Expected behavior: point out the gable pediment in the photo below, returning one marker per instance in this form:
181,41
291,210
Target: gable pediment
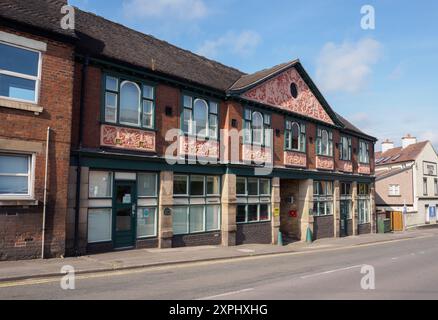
276,92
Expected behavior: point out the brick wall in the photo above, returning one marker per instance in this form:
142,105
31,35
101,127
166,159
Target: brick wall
364,228
20,226
254,233
200,239
323,227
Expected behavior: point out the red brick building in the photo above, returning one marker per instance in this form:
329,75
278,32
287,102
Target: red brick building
295,166
36,92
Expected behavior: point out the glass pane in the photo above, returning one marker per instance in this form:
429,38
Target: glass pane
213,107
252,212
197,185
240,186
329,208
110,107
196,219
146,218
14,185
100,184
147,184
129,103
295,135
99,225
148,112
200,116
212,185
257,127
188,102
265,187
247,132
268,135
187,121
19,60
264,212
241,214
112,84
148,92
180,220
213,218
247,114
267,119
180,185
213,126
253,187
17,88
123,219
14,164
124,195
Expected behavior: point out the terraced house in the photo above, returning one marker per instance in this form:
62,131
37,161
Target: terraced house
131,90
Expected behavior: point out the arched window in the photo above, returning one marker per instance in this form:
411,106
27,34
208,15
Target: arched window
257,127
130,103
295,136
200,116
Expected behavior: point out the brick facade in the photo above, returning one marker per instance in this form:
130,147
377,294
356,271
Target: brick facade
20,225
254,233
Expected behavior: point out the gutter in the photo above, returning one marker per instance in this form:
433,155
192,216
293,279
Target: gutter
78,168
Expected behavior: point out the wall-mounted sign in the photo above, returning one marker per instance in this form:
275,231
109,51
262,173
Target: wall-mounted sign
126,199
167,211
276,212
293,214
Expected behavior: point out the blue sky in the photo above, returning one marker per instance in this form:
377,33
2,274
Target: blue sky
383,80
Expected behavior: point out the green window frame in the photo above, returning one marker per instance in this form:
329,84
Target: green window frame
295,136
113,102
250,192
323,198
195,107
345,148
324,142
364,152
256,128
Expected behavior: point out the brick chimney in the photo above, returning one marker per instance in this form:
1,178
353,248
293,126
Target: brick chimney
387,145
408,140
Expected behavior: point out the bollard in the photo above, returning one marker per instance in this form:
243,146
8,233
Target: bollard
280,238
309,235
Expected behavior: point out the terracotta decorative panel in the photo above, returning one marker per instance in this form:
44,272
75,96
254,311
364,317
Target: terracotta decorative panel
256,154
325,163
295,159
276,92
200,149
364,169
127,138
346,166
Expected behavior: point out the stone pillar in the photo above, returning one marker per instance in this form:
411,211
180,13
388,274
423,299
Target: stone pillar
354,214
373,208
229,210
337,209
275,205
305,206
165,229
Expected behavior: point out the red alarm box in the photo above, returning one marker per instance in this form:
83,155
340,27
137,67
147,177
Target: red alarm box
293,214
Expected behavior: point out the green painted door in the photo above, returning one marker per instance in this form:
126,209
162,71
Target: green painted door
345,208
124,214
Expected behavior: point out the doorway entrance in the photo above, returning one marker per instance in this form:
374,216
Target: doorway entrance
124,214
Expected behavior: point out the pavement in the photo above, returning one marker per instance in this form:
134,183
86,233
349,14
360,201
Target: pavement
150,258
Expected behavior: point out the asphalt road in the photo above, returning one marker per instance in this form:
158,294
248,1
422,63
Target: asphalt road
405,269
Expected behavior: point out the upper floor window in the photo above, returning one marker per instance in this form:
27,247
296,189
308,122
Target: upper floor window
19,73
200,117
364,152
425,191
16,175
295,136
129,103
257,127
324,142
345,149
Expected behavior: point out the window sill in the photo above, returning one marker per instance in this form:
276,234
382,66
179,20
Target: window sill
18,202
18,105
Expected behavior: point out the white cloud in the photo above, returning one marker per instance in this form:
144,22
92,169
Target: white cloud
180,9
242,44
347,66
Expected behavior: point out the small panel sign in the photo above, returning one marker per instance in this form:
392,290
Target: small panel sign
167,212
126,199
276,212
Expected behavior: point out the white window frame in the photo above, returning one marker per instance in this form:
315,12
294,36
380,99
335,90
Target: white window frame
156,185
110,221
139,105
37,79
258,204
188,231
394,190
31,177
187,185
364,152
111,184
155,222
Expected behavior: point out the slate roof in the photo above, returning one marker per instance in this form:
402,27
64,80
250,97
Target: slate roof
42,14
398,155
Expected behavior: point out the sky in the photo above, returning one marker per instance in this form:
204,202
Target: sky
382,79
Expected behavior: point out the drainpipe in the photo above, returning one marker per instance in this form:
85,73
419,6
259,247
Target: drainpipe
43,235
78,171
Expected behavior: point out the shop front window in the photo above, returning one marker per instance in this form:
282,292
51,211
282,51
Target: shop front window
322,198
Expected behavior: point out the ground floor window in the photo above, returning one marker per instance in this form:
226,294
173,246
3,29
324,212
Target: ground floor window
196,219
16,175
147,222
364,203
322,198
253,213
99,225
